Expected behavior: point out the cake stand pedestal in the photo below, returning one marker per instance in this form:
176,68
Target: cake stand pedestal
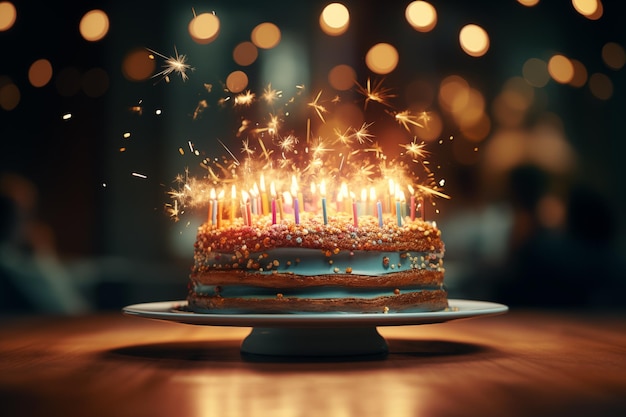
314,341
310,335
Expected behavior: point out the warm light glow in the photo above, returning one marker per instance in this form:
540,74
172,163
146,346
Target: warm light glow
421,15
9,94
94,25
453,93
588,8
535,72
342,77
382,58
266,35
245,54
40,73
561,69
137,65
335,19
8,15
580,74
474,40
204,28
528,3
613,55
601,86
237,81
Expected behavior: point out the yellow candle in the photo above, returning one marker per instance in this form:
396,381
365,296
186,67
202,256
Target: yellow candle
264,197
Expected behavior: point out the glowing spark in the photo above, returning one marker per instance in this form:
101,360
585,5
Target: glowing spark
202,105
246,148
319,109
288,143
270,95
405,118
415,150
378,93
429,190
138,175
67,116
229,152
363,134
344,138
376,148
176,64
245,99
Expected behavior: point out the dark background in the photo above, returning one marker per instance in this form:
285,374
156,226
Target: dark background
103,216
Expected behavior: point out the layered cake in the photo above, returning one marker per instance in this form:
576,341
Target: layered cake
315,266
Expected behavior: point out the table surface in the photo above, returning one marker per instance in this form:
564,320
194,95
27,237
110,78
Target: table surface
523,363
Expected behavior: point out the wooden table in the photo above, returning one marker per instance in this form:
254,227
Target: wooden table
523,363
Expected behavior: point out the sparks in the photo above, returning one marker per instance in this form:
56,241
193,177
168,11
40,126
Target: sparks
405,118
319,109
378,93
176,64
415,150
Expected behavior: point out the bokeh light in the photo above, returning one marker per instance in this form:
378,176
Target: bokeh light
591,9
40,73
9,94
474,40
528,3
204,28
535,72
245,53
601,86
382,58
94,25
421,15
237,81
8,15
580,74
137,65
266,35
342,77
613,55
561,69
453,93
335,19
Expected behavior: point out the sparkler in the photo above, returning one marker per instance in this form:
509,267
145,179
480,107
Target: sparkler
173,64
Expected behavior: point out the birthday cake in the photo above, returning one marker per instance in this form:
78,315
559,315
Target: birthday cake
311,266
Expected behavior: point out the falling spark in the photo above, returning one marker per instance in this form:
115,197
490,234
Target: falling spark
405,118
319,109
138,175
378,93
173,64
67,116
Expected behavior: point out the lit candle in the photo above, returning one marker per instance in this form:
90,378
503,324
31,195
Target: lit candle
233,198
398,212
313,199
279,203
220,208
210,214
392,192
379,210
323,194
248,210
355,218
412,203
273,191
345,206
264,198
363,202
213,207
373,200
256,199
296,203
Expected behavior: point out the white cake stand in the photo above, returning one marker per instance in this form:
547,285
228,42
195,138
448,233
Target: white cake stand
326,334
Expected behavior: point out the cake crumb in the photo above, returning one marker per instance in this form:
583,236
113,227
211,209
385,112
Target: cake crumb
385,310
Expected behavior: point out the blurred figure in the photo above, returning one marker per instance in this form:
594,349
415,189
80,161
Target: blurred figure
567,263
32,279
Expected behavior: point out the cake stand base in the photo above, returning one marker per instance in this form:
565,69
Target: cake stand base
314,341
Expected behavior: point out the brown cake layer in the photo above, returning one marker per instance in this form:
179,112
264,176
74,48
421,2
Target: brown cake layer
416,277
433,300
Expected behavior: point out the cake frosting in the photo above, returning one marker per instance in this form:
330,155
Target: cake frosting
312,266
